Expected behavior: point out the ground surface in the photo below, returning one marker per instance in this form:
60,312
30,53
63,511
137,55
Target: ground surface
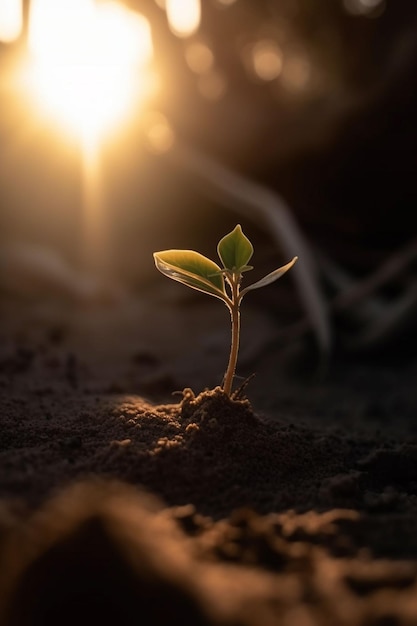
118,499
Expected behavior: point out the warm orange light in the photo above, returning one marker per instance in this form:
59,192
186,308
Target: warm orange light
199,57
183,16
212,85
267,59
159,132
296,73
89,63
10,20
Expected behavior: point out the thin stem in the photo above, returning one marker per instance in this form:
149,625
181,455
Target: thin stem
234,348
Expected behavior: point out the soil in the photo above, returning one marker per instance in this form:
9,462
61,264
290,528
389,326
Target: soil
293,503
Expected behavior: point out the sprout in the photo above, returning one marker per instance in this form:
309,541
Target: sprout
198,272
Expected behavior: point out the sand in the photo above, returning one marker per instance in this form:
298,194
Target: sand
122,502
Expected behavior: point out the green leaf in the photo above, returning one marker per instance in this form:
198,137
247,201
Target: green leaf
192,269
235,250
270,278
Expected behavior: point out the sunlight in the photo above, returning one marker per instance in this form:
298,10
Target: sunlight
10,20
183,16
87,72
88,64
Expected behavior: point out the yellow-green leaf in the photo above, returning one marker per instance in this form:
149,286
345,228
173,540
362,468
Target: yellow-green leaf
235,250
270,278
192,269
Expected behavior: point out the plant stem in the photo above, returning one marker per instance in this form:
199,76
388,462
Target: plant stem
234,348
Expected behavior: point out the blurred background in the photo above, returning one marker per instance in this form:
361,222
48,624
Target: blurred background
131,127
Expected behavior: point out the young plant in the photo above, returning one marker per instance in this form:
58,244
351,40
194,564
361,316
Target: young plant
198,272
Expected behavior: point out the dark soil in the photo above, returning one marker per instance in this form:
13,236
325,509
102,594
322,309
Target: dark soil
123,504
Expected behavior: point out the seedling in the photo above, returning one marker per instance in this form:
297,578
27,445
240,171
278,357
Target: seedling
198,272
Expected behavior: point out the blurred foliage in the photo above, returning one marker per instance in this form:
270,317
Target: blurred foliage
334,131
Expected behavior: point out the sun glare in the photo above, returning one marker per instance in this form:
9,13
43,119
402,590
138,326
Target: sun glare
89,63
10,20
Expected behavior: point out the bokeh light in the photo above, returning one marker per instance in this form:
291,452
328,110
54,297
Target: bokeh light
184,16
159,132
11,17
199,57
371,8
296,73
226,3
267,59
212,85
